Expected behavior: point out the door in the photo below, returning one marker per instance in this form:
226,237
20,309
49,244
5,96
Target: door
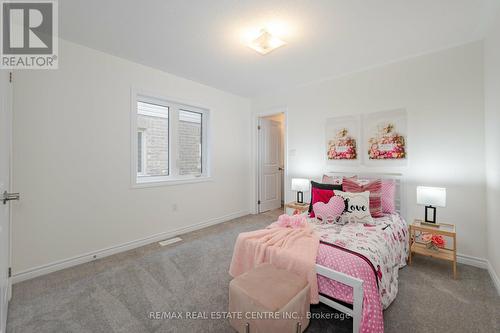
269,164
5,155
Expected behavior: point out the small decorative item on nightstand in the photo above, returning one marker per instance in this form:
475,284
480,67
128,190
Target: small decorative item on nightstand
430,242
300,185
431,197
433,242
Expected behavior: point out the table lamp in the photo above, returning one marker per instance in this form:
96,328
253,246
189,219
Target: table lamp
300,185
431,197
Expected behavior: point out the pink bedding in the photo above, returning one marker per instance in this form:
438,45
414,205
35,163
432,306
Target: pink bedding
372,253
345,262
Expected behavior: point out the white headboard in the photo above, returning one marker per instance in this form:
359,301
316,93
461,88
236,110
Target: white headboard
398,180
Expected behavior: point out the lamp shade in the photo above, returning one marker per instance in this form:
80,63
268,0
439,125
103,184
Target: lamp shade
300,184
431,196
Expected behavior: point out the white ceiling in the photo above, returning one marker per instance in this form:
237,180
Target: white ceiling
201,40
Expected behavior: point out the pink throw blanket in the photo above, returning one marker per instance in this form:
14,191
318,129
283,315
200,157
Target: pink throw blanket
293,247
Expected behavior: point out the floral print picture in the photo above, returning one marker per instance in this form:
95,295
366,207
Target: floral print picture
343,147
342,135
385,135
387,144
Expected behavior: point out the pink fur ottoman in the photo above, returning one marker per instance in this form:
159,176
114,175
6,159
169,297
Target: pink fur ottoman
268,299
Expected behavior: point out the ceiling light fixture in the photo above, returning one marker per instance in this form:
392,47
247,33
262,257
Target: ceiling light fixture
265,42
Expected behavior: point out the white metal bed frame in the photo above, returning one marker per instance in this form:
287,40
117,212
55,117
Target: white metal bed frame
355,283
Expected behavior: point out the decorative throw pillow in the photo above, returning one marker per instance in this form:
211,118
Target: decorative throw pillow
321,193
331,180
373,186
357,206
328,212
336,180
388,196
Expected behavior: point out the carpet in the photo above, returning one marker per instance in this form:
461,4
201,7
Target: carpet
135,291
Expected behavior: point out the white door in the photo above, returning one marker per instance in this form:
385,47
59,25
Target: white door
5,144
269,165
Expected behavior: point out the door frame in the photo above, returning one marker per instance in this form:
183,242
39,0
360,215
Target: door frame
11,179
255,142
9,113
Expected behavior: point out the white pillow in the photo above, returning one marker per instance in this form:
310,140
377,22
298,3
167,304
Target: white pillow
357,206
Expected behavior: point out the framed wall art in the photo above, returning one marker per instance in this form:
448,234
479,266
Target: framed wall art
385,138
343,140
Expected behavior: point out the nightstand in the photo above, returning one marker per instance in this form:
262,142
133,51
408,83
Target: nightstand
298,208
443,229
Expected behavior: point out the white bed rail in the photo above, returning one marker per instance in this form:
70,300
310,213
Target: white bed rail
357,296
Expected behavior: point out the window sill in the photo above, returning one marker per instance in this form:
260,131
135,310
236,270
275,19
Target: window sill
170,182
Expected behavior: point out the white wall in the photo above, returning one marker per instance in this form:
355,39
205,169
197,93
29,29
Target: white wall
72,158
492,122
443,94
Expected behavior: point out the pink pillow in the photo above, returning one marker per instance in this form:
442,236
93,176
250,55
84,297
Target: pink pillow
319,195
331,180
375,189
328,212
334,180
388,195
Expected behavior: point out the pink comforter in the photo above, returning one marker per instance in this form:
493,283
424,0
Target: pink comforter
372,253
372,320
293,249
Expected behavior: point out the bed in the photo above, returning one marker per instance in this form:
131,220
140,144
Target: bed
352,268
358,264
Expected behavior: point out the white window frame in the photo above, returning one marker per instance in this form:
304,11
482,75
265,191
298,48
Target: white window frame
173,178
143,150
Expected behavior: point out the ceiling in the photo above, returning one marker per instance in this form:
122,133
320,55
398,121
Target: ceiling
202,40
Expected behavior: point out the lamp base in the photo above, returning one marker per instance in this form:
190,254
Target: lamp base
300,197
430,224
430,218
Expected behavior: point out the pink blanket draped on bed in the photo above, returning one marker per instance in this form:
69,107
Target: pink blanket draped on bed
293,249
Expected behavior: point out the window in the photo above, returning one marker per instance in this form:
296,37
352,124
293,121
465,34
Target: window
152,132
170,141
190,142
141,152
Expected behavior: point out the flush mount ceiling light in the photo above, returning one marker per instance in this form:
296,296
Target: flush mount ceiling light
265,42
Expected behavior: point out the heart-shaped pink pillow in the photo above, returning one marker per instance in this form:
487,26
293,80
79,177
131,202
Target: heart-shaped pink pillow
329,211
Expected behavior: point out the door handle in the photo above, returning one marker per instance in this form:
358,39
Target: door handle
280,169
10,196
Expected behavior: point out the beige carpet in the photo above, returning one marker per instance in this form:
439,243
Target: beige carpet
117,294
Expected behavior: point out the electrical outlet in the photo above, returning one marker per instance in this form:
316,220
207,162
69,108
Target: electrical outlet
175,208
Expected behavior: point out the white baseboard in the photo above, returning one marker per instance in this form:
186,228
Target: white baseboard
472,261
480,263
87,257
494,277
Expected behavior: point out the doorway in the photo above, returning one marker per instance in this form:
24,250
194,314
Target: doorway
5,176
271,161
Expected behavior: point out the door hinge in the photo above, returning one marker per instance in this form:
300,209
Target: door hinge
10,77
258,202
10,272
258,127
